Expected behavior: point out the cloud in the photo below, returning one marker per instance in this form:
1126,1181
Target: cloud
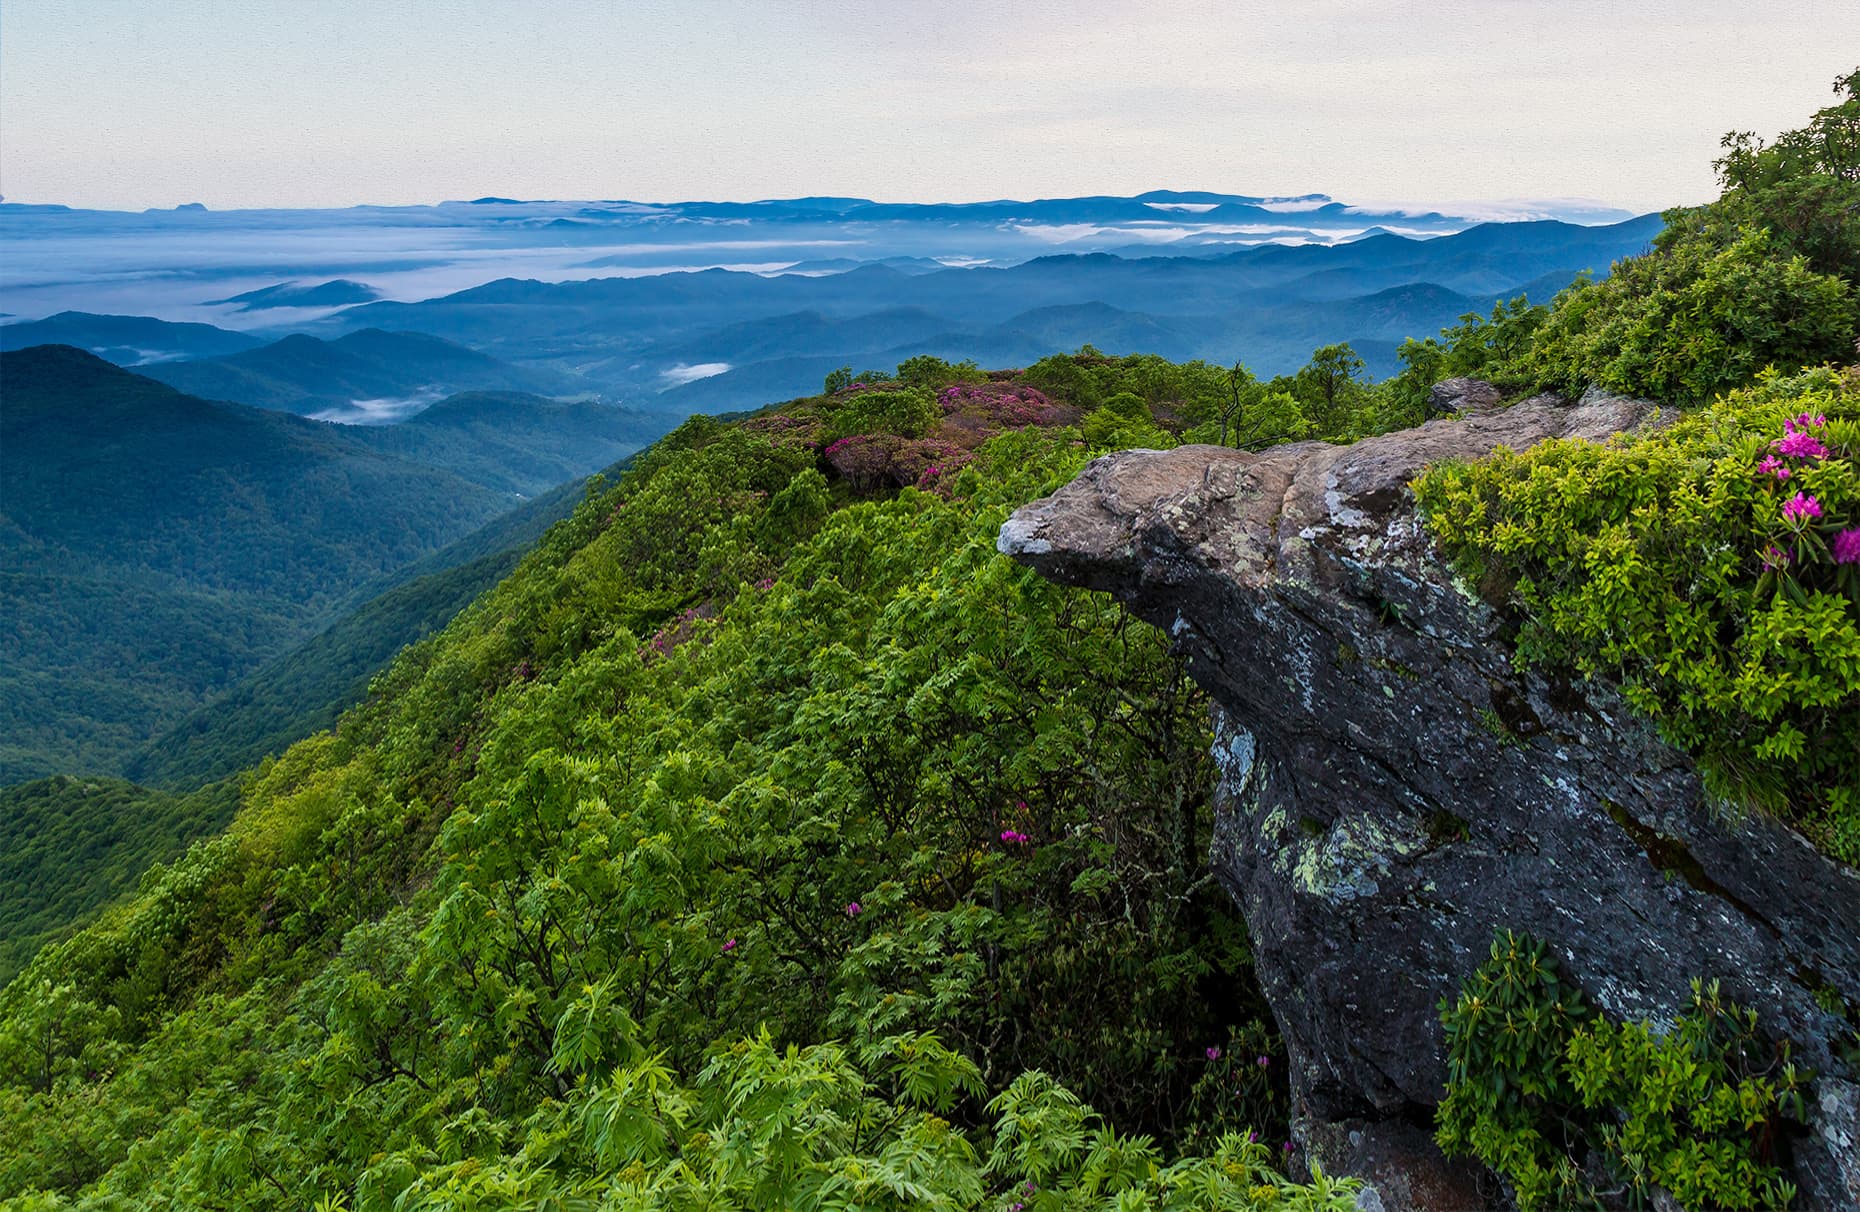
679,375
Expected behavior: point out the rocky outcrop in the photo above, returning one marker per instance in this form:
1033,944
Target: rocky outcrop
1394,790
1461,395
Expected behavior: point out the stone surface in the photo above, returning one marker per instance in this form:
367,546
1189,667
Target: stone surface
1461,395
1394,791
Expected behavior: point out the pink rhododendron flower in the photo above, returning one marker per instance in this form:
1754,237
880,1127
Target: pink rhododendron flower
1014,837
1775,467
1264,1061
1847,546
729,946
1214,1054
1806,421
1800,445
853,909
1801,507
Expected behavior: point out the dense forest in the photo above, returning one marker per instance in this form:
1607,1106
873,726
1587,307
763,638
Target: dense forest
766,839
230,535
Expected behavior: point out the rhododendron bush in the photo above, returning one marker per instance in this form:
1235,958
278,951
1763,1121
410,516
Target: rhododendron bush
1712,565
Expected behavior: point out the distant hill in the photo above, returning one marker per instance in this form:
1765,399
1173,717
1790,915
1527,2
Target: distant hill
340,292
366,376
514,442
126,340
156,547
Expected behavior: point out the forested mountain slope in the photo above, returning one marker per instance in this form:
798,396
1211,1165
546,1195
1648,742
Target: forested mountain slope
879,762
306,688
126,340
158,546
69,846
515,442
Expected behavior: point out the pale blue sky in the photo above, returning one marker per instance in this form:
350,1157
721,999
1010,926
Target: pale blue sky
133,103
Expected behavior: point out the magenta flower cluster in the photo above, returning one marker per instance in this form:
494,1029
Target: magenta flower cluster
1801,507
1001,403
1799,444
1802,440
1014,837
854,909
1796,443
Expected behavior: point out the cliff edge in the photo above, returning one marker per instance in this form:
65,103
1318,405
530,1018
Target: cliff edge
1394,791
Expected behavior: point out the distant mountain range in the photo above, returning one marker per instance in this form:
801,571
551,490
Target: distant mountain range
293,264
722,339
767,337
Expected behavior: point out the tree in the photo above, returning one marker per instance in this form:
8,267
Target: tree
1329,388
1804,186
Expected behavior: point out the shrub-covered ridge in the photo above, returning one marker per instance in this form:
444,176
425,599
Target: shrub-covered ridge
764,812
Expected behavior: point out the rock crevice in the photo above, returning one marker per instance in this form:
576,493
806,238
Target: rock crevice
1394,790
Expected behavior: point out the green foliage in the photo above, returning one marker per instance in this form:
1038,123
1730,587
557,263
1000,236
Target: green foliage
909,413
1330,387
1123,421
1766,276
1478,347
1674,562
1804,187
837,381
1693,319
69,846
1564,1103
926,370
735,754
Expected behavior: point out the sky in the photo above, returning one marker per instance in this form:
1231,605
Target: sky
125,104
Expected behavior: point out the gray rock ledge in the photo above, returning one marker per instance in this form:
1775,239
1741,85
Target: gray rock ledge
1394,791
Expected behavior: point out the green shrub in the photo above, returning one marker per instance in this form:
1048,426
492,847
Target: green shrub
1121,422
1556,1098
909,413
1711,572
1692,320
1766,276
927,370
